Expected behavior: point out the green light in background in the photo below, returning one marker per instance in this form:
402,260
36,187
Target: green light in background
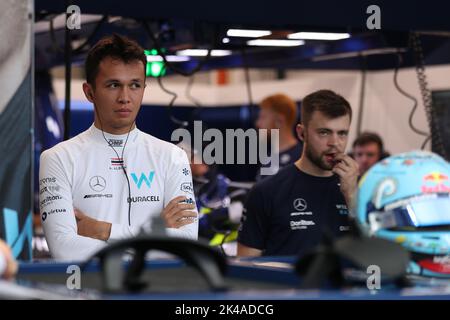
154,68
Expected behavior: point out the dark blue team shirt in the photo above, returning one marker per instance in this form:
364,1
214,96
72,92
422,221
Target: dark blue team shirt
287,213
285,158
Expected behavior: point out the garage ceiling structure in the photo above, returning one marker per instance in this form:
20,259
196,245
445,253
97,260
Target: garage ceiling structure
410,34
175,25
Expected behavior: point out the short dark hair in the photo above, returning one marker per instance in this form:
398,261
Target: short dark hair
115,46
369,137
328,102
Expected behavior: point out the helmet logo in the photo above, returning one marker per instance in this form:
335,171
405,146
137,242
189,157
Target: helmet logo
386,188
408,162
434,182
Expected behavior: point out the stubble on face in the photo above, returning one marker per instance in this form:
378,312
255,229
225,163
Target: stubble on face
319,152
318,159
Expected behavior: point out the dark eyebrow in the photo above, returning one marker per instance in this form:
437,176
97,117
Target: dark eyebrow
329,130
116,80
112,81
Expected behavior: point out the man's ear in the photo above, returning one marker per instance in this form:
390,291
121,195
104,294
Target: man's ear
300,129
88,92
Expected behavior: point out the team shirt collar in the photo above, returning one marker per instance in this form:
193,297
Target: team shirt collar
115,140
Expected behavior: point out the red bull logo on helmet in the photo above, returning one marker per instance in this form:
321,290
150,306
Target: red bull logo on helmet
434,182
408,162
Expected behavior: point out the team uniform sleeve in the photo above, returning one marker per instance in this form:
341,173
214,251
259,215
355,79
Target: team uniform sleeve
123,231
2,264
179,183
57,214
254,223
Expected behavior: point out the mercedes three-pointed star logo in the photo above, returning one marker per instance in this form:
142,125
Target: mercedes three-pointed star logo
97,183
300,204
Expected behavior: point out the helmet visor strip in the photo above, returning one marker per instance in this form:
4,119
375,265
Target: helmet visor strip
422,211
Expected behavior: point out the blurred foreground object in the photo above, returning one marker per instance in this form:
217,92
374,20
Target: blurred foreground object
406,199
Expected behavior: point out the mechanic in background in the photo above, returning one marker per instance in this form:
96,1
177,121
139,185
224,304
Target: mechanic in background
279,111
367,150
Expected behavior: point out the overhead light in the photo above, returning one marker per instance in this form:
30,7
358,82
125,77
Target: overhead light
368,52
169,58
318,36
225,40
248,33
275,43
203,52
174,58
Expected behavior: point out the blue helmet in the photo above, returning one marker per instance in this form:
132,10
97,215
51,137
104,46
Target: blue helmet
406,198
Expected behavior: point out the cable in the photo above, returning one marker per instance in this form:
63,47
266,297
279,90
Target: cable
173,94
174,97
91,36
409,96
167,64
194,101
124,170
362,93
77,50
188,93
122,163
248,86
55,45
435,133
425,142
156,43
247,78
